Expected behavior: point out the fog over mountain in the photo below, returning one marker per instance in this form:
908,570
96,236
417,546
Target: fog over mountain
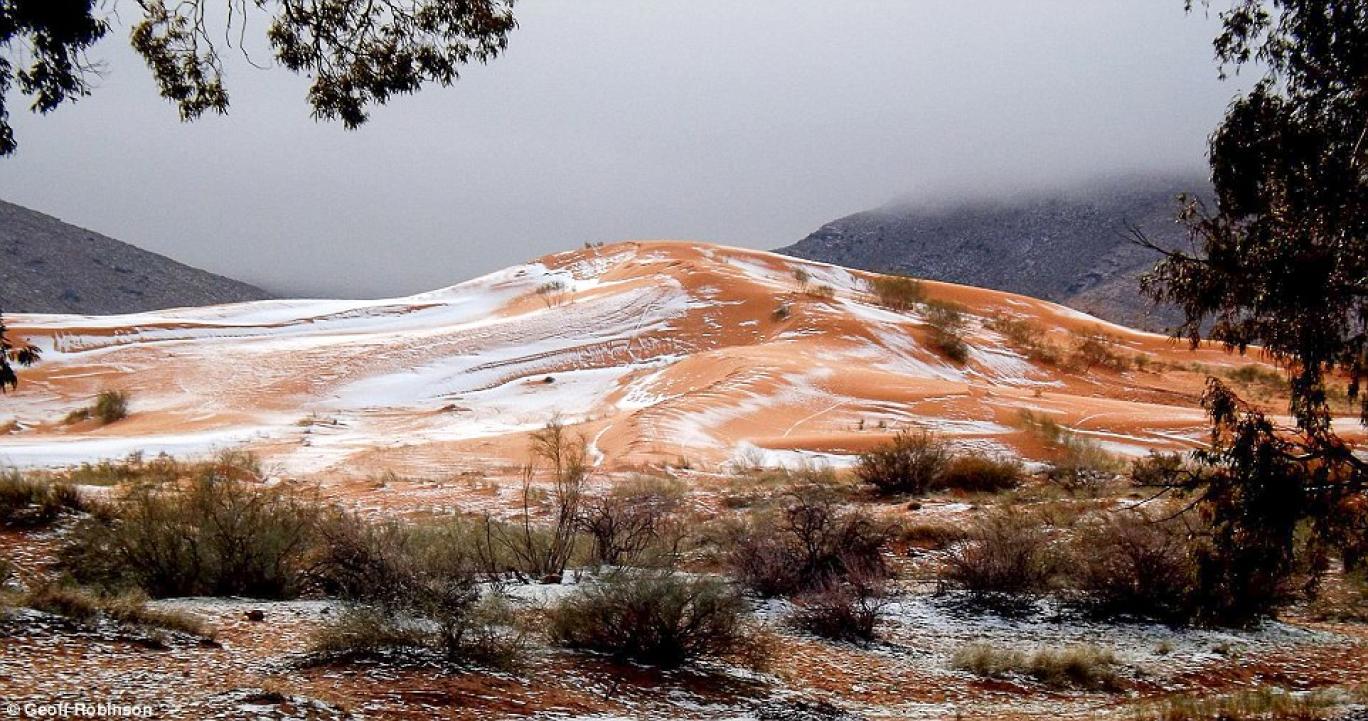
740,123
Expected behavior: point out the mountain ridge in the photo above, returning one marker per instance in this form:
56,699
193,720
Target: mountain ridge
51,266
1070,246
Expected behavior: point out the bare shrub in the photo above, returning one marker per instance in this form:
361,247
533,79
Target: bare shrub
553,293
1081,667
803,277
1007,553
542,552
210,537
908,463
805,545
982,474
822,292
1078,464
424,576
634,520
1028,337
1127,563
653,617
897,292
29,502
841,610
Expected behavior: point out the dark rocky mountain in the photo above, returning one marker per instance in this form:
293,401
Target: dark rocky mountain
47,266
1071,247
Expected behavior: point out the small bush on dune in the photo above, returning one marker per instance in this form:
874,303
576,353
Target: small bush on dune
1028,337
897,292
1080,667
27,502
947,328
1094,349
653,617
909,463
982,474
805,545
111,406
1006,553
1079,465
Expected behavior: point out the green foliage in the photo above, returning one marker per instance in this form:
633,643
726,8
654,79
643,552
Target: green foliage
1283,256
653,617
897,292
909,463
355,54
110,406
215,536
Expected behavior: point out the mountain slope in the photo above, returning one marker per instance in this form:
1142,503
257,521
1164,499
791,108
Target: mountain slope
1072,248
47,266
654,351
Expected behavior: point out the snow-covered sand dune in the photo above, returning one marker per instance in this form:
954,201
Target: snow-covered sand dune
657,351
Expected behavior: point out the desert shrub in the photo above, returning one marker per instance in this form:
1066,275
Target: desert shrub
541,550
806,545
822,292
981,474
803,277
427,576
67,601
8,573
1095,348
1028,337
841,611
76,416
781,312
364,632
908,463
635,520
1158,469
110,406
1079,667
210,537
930,534
1006,553
1127,563
653,617
897,292
553,292
27,502
133,469
947,328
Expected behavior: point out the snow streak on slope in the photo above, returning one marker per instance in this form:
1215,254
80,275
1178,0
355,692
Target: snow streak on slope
656,350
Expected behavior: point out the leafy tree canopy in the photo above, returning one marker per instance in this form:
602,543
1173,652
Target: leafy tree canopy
1281,261
357,52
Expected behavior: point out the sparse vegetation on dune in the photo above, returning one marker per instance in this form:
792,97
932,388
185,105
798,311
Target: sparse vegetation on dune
109,406
908,463
1261,704
897,292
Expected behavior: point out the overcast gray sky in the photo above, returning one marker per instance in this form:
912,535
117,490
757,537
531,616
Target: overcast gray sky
747,123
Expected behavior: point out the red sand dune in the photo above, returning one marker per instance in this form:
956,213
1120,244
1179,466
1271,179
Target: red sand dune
657,351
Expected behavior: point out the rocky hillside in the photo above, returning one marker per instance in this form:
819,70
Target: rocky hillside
47,266
1069,247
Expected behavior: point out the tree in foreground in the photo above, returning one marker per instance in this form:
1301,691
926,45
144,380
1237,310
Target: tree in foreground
13,353
1281,262
357,53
